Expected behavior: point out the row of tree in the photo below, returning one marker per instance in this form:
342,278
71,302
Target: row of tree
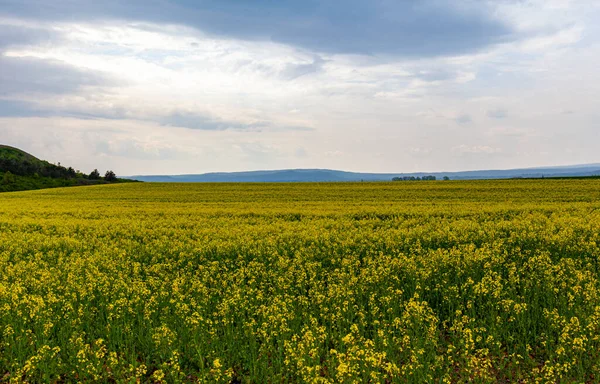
417,178
52,171
44,169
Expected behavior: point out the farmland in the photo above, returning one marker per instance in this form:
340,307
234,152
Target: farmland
480,281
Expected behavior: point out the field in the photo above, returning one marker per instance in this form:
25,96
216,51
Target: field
482,281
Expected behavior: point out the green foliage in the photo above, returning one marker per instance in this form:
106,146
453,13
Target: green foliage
23,164
20,171
24,183
94,175
8,178
110,176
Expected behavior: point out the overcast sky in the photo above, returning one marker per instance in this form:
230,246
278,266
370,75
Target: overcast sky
184,86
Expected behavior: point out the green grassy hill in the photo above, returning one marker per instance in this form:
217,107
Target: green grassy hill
21,171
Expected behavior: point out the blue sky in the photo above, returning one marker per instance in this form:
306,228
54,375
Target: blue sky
159,86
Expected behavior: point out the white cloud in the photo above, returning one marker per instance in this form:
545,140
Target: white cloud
485,149
335,153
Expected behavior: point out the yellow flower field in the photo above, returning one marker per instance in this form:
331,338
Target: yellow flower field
449,282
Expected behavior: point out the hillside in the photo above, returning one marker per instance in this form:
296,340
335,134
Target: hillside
325,175
21,171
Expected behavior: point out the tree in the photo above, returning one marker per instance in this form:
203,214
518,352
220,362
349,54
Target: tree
94,175
446,178
110,176
8,178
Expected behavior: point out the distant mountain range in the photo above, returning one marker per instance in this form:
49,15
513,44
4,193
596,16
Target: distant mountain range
325,175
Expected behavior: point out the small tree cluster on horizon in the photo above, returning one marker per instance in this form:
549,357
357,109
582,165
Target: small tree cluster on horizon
416,178
109,176
94,175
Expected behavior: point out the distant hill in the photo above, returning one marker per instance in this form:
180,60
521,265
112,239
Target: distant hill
325,175
7,152
20,171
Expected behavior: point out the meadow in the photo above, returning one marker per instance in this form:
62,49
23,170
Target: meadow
447,281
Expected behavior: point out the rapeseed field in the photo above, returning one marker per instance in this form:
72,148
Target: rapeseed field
428,282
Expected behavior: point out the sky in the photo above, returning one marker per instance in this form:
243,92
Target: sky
186,86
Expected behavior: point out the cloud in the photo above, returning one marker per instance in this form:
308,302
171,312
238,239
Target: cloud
23,75
476,149
417,28
464,119
133,148
193,120
257,151
293,71
301,153
18,35
40,108
335,153
434,75
497,113
420,151
15,108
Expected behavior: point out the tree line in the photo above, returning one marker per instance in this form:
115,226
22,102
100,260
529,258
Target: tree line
417,178
15,166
